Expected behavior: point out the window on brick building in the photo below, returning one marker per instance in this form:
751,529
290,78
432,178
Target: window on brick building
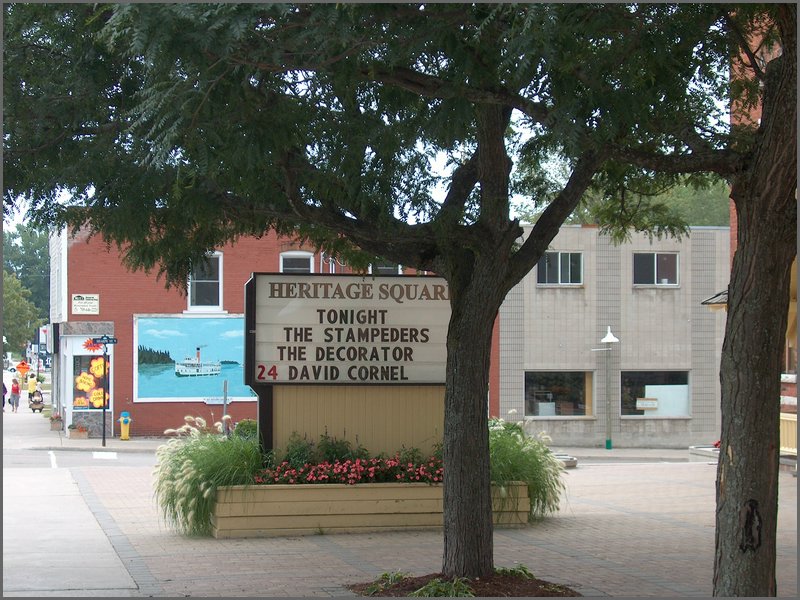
205,284
297,261
385,267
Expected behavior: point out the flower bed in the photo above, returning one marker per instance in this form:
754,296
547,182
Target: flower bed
287,509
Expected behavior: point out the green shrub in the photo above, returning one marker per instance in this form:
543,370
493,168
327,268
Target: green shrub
330,449
299,451
385,581
246,428
191,466
458,588
515,456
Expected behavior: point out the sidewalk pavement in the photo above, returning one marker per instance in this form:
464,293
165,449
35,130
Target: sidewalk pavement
632,522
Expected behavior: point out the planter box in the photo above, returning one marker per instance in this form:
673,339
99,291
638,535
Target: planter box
56,425
284,510
74,434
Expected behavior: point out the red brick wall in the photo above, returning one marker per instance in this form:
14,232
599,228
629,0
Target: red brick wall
93,269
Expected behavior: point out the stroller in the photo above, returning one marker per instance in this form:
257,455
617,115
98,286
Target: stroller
36,401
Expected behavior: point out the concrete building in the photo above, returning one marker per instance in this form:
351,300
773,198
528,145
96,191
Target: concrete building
657,386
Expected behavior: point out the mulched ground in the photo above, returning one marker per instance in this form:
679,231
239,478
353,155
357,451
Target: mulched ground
492,586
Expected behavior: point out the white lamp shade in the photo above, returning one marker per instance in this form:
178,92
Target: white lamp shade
610,337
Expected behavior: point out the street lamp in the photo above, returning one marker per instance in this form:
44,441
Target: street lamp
609,339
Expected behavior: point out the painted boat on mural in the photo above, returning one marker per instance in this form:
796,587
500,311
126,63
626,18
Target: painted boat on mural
194,367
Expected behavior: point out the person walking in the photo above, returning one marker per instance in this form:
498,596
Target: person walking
13,399
32,380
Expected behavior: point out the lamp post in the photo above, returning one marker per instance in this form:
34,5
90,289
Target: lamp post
609,339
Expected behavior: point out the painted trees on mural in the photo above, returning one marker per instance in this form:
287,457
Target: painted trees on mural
176,128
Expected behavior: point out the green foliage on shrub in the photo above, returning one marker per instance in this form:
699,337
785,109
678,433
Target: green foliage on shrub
331,449
515,456
520,571
458,588
190,468
299,451
246,428
384,581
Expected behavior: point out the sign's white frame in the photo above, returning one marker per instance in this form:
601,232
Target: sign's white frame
346,329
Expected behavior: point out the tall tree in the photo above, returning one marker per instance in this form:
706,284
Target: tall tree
179,127
26,255
20,316
764,192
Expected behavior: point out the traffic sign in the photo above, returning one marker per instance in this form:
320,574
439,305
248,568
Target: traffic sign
22,368
105,339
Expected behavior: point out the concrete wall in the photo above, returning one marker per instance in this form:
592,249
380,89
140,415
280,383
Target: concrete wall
661,328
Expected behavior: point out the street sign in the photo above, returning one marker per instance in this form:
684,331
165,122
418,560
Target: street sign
22,368
105,339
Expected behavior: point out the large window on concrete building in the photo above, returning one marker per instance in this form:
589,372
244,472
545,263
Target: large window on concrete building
655,268
297,261
655,393
558,393
560,268
205,284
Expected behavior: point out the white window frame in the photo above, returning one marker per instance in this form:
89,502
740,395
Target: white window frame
398,272
656,282
298,254
208,307
559,282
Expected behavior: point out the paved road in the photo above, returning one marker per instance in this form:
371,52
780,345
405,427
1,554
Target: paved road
628,526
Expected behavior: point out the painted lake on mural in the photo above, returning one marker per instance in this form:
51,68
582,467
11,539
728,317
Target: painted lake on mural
186,344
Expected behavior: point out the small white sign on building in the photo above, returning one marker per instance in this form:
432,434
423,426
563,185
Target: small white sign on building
85,304
646,403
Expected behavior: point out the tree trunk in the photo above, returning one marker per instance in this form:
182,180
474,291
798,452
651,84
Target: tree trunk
468,543
758,299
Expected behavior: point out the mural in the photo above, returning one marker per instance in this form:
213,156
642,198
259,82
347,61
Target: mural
188,358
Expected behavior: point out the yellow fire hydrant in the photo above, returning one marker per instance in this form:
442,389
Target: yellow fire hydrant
124,425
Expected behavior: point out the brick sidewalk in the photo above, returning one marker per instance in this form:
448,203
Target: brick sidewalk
623,530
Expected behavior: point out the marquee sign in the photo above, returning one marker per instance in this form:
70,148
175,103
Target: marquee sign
346,329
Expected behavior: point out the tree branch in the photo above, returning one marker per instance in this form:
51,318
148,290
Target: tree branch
548,224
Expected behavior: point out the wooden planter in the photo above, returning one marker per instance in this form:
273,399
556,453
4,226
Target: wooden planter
75,434
56,425
283,510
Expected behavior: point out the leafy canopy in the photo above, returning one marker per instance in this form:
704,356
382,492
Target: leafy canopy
177,127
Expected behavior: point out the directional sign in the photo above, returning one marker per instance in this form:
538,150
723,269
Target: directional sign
105,339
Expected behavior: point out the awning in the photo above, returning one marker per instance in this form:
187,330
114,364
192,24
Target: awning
717,301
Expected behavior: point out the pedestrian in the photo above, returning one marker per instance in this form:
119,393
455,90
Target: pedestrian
5,391
31,386
13,399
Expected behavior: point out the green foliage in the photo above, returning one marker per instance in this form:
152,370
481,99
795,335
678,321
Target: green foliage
26,255
330,449
520,571
148,356
20,316
299,451
190,468
515,456
384,581
246,428
457,588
